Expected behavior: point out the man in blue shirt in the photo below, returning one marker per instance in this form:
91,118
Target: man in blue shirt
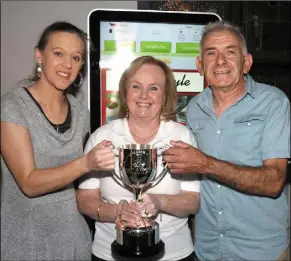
243,132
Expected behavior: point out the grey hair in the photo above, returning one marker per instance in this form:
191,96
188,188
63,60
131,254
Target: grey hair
224,26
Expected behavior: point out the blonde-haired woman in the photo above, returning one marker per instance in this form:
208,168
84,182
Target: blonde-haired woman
147,94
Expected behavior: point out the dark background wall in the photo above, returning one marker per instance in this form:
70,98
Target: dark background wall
265,24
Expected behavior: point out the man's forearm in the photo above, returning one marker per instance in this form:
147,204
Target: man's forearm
180,205
261,181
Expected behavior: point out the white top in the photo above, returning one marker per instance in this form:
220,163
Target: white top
173,231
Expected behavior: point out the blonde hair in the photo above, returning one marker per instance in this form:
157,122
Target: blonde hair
169,109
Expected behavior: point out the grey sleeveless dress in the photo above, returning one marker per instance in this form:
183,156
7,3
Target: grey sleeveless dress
47,227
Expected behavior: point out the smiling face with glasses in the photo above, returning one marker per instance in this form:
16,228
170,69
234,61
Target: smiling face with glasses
61,60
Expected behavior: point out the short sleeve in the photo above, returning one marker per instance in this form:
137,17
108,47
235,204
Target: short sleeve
11,110
86,126
89,145
190,182
276,134
91,179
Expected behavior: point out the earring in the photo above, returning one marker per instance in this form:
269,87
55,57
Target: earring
162,116
126,113
38,71
80,81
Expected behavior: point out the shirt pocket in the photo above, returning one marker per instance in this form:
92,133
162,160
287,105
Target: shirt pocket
246,133
199,126
249,124
200,129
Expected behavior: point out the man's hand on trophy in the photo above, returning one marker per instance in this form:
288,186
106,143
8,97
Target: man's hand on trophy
184,158
100,157
126,215
149,206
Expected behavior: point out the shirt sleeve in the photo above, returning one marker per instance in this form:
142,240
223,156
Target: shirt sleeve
91,179
276,134
86,126
190,181
11,110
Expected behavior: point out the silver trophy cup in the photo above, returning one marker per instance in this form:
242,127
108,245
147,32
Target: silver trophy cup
138,170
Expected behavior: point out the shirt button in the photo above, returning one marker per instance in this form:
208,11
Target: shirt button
218,186
218,132
221,235
220,212
249,123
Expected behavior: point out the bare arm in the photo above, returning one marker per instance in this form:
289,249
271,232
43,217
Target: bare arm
17,152
88,202
267,180
179,205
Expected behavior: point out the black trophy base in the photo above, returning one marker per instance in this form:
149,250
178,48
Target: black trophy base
151,253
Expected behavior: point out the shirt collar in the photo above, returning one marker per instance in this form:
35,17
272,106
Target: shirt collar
250,86
120,128
206,97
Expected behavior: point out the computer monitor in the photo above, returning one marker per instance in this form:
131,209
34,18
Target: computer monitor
119,36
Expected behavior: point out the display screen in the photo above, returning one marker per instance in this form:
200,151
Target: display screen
120,42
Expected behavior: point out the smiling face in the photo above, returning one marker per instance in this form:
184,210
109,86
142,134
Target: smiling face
146,93
61,60
222,61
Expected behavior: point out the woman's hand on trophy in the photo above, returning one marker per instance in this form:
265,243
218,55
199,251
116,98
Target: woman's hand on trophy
126,215
149,205
100,157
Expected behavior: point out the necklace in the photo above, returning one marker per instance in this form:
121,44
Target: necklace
57,125
144,138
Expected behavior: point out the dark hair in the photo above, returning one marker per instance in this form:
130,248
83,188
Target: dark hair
66,27
169,109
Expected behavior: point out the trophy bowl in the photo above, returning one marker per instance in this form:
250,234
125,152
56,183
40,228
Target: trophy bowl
138,170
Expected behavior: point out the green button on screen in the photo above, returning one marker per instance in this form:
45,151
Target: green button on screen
187,47
159,47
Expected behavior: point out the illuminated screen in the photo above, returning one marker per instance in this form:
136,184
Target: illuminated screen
118,42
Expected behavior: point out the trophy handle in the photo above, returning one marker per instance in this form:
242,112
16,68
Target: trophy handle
117,178
160,176
120,180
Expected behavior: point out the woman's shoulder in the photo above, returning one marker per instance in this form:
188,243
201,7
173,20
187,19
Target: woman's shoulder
75,102
105,130
12,101
81,107
179,131
12,96
14,107
174,126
